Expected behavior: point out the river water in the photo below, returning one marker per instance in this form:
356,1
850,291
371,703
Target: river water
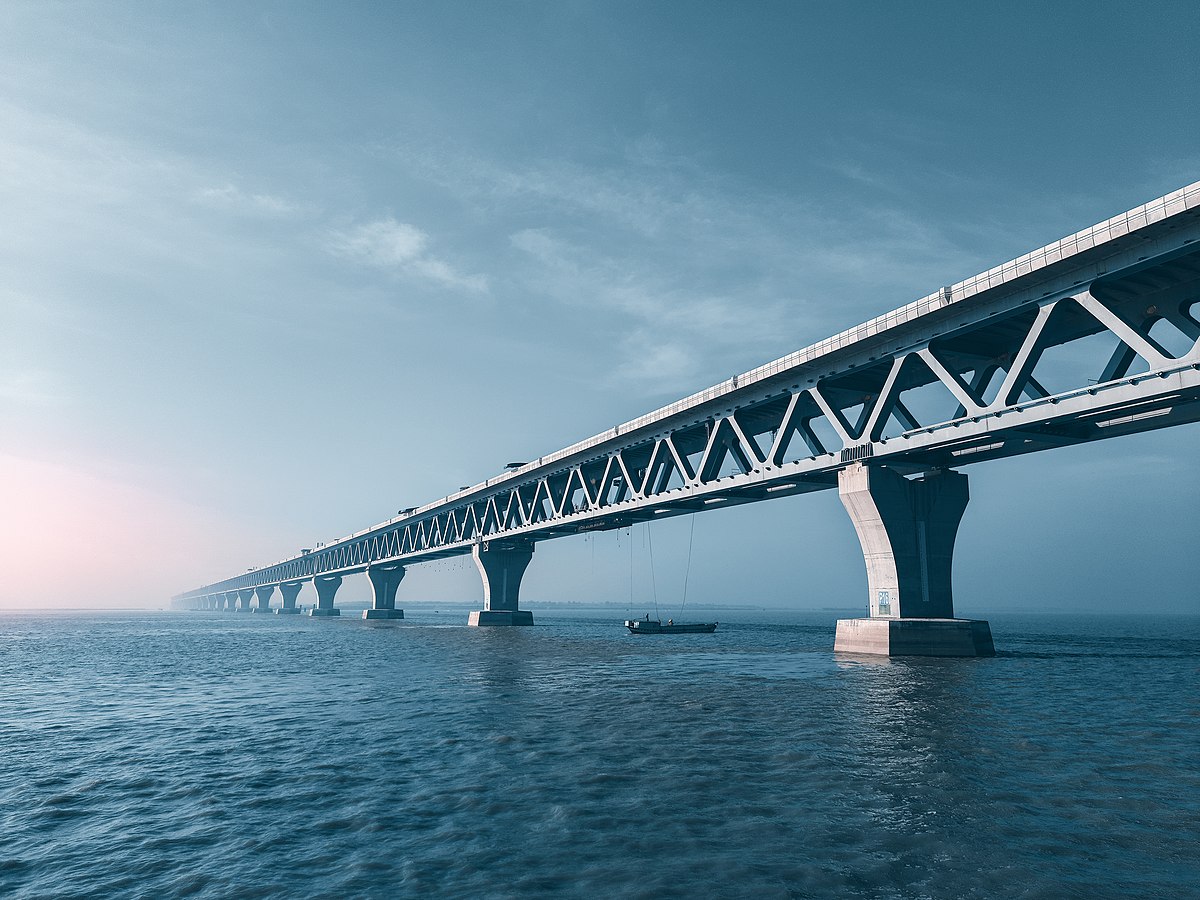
223,755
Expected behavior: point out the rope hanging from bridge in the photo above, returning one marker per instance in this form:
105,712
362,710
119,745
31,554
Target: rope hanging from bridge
688,568
653,583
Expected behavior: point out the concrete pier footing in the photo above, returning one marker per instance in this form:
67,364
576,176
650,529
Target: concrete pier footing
263,593
915,637
383,614
289,590
327,588
385,581
907,528
500,617
501,564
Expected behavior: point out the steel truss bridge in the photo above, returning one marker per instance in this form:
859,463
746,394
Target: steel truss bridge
1093,336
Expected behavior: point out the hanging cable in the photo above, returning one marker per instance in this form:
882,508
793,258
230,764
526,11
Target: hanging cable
653,585
630,571
688,569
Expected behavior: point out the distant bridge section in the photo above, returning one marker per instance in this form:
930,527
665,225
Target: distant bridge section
1094,336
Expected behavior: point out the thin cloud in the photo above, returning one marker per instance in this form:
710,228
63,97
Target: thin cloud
402,248
672,334
706,233
231,198
30,388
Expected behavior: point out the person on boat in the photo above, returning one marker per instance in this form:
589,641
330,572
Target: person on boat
670,621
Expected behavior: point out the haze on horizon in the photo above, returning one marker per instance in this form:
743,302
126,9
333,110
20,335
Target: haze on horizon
271,271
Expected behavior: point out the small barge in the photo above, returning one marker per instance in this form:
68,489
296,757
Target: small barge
655,626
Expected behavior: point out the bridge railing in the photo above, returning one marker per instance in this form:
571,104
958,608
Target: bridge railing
1064,249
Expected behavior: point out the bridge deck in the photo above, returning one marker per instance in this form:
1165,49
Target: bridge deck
788,426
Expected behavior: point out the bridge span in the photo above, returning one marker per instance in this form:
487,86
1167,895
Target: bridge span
1093,336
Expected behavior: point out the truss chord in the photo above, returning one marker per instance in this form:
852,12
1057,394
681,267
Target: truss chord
708,451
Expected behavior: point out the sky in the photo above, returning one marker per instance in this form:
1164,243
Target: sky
271,271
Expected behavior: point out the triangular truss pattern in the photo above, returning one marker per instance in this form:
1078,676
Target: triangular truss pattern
575,496
1113,331
541,509
724,445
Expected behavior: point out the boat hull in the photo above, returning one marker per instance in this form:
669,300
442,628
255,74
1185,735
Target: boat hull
653,626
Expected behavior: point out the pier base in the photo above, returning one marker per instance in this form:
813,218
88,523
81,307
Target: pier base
914,637
287,611
327,588
383,614
501,565
500,617
385,581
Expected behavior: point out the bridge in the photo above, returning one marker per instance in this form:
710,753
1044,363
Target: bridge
1093,336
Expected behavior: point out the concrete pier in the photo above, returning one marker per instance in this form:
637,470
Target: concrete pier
264,598
385,580
501,564
289,590
244,597
327,587
907,530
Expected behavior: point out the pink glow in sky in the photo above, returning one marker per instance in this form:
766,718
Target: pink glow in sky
74,539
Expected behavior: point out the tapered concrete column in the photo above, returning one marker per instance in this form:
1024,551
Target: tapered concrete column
384,582
907,531
245,596
228,601
264,597
502,564
327,586
288,590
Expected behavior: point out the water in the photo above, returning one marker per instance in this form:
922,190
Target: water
220,755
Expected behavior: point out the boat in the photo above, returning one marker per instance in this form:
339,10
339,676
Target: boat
656,626
648,625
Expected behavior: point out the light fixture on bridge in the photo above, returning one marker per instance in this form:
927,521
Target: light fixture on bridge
1134,417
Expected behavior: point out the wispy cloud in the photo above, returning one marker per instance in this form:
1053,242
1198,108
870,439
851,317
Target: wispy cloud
31,388
402,248
233,199
671,331
696,232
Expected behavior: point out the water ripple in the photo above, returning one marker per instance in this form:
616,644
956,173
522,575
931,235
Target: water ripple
209,755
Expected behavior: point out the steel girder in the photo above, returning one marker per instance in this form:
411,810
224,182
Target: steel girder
1095,336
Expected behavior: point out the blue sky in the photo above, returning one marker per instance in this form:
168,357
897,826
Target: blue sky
271,271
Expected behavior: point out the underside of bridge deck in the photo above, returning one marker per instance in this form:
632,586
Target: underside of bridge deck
1094,336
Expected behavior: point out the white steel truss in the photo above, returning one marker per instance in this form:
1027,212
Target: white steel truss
1095,336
